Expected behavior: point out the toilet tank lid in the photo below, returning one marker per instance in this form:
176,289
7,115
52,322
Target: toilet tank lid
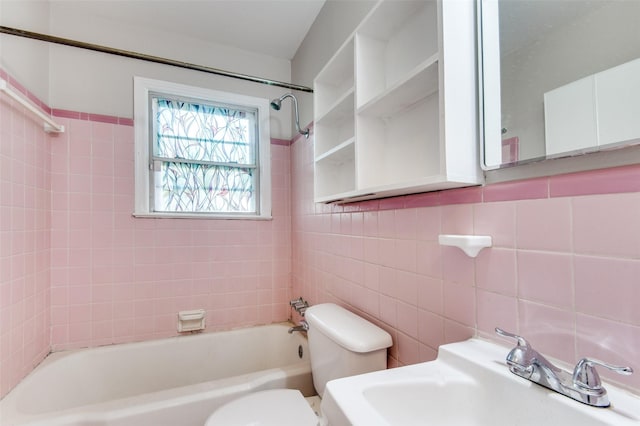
346,328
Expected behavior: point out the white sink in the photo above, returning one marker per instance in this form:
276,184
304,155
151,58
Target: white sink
469,384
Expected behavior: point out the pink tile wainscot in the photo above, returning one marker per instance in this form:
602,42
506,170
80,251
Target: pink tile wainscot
77,270
565,258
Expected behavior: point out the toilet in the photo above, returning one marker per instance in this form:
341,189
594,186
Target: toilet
340,344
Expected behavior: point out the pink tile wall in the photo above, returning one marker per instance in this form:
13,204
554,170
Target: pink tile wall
564,269
116,278
78,270
24,242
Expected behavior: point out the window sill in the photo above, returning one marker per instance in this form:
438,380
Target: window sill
200,216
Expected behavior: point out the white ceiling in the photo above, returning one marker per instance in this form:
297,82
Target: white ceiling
272,27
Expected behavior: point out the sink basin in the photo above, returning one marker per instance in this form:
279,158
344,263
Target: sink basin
469,384
405,403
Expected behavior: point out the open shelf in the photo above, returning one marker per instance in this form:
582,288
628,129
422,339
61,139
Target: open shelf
335,172
335,126
420,83
341,109
400,147
335,80
396,40
340,152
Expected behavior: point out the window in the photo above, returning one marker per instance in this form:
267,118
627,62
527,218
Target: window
200,153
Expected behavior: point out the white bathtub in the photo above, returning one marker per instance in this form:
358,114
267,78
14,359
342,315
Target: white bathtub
177,381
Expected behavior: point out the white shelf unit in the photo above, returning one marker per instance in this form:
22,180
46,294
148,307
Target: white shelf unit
384,126
334,125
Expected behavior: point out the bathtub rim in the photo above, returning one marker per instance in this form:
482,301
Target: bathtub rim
98,413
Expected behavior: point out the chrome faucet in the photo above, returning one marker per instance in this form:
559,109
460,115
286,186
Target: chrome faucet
302,327
299,305
583,384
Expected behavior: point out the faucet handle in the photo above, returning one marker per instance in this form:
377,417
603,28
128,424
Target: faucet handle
520,339
520,358
586,376
295,302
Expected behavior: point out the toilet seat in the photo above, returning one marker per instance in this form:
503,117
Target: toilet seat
276,407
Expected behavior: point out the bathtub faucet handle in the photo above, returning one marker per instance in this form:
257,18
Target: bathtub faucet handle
296,301
300,305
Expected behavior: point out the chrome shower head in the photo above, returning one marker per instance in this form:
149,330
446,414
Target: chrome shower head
276,104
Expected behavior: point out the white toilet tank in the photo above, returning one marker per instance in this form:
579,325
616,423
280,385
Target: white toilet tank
343,344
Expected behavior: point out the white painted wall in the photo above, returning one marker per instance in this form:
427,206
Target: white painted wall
82,80
335,23
609,36
89,81
26,60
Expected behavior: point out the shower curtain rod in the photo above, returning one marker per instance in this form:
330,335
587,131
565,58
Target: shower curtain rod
149,58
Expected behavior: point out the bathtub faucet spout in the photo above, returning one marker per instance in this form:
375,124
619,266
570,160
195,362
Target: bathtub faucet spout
302,327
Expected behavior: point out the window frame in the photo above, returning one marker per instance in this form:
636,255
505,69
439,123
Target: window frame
144,88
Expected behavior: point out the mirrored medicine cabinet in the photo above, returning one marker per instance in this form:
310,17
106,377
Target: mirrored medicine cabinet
559,79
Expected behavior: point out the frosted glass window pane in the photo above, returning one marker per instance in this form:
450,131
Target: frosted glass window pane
185,187
202,132
204,157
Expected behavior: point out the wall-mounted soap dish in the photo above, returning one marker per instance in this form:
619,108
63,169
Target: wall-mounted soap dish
470,244
191,320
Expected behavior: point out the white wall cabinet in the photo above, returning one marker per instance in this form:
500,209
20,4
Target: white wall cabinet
618,103
570,117
395,108
596,111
